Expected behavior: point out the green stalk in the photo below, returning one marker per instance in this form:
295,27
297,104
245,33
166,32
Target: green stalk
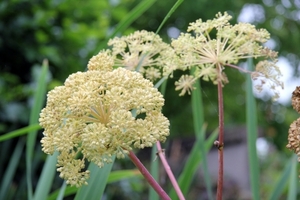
251,118
191,166
178,2
11,169
198,121
19,132
126,21
280,185
154,171
46,178
96,183
39,97
292,194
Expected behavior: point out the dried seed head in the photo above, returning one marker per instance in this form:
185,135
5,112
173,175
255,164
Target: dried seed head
294,137
296,99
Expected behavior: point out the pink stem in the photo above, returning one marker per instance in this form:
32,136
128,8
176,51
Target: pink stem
169,171
163,195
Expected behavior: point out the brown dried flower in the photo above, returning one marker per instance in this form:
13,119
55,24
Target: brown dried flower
294,131
296,99
294,138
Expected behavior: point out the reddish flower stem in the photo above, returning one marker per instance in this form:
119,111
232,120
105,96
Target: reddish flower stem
221,141
169,171
238,68
163,195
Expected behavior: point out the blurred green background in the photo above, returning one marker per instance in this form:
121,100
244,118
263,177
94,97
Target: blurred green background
68,33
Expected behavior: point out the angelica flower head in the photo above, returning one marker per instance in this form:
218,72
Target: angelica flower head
216,44
145,52
267,73
102,61
100,113
185,84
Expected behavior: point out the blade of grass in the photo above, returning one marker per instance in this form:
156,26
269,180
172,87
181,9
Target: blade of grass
135,13
198,121
163,87
197,107
192,164
11,168
160,82
38,101
293,183
280,185
176,5
154,172
123,174
113,177
62,191
251,119
45,182
19,132
96,183
132,16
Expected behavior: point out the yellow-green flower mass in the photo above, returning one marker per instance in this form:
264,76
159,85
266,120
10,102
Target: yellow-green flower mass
216,43
145,52
102,61
100,113
185,84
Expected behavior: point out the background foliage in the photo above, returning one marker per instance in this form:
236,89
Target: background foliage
68,33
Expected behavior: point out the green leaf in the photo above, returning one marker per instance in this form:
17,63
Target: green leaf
123,174
160,82
113,177
198,110
46,178
154,168
192,164
62,191
293,184
251,118
96,183
154,172
10,171
280,185
175,6
19,132
134,14
38,101
67,191
198,121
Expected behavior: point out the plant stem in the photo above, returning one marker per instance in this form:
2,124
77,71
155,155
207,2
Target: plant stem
169,171
163,195
239,68
221,140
